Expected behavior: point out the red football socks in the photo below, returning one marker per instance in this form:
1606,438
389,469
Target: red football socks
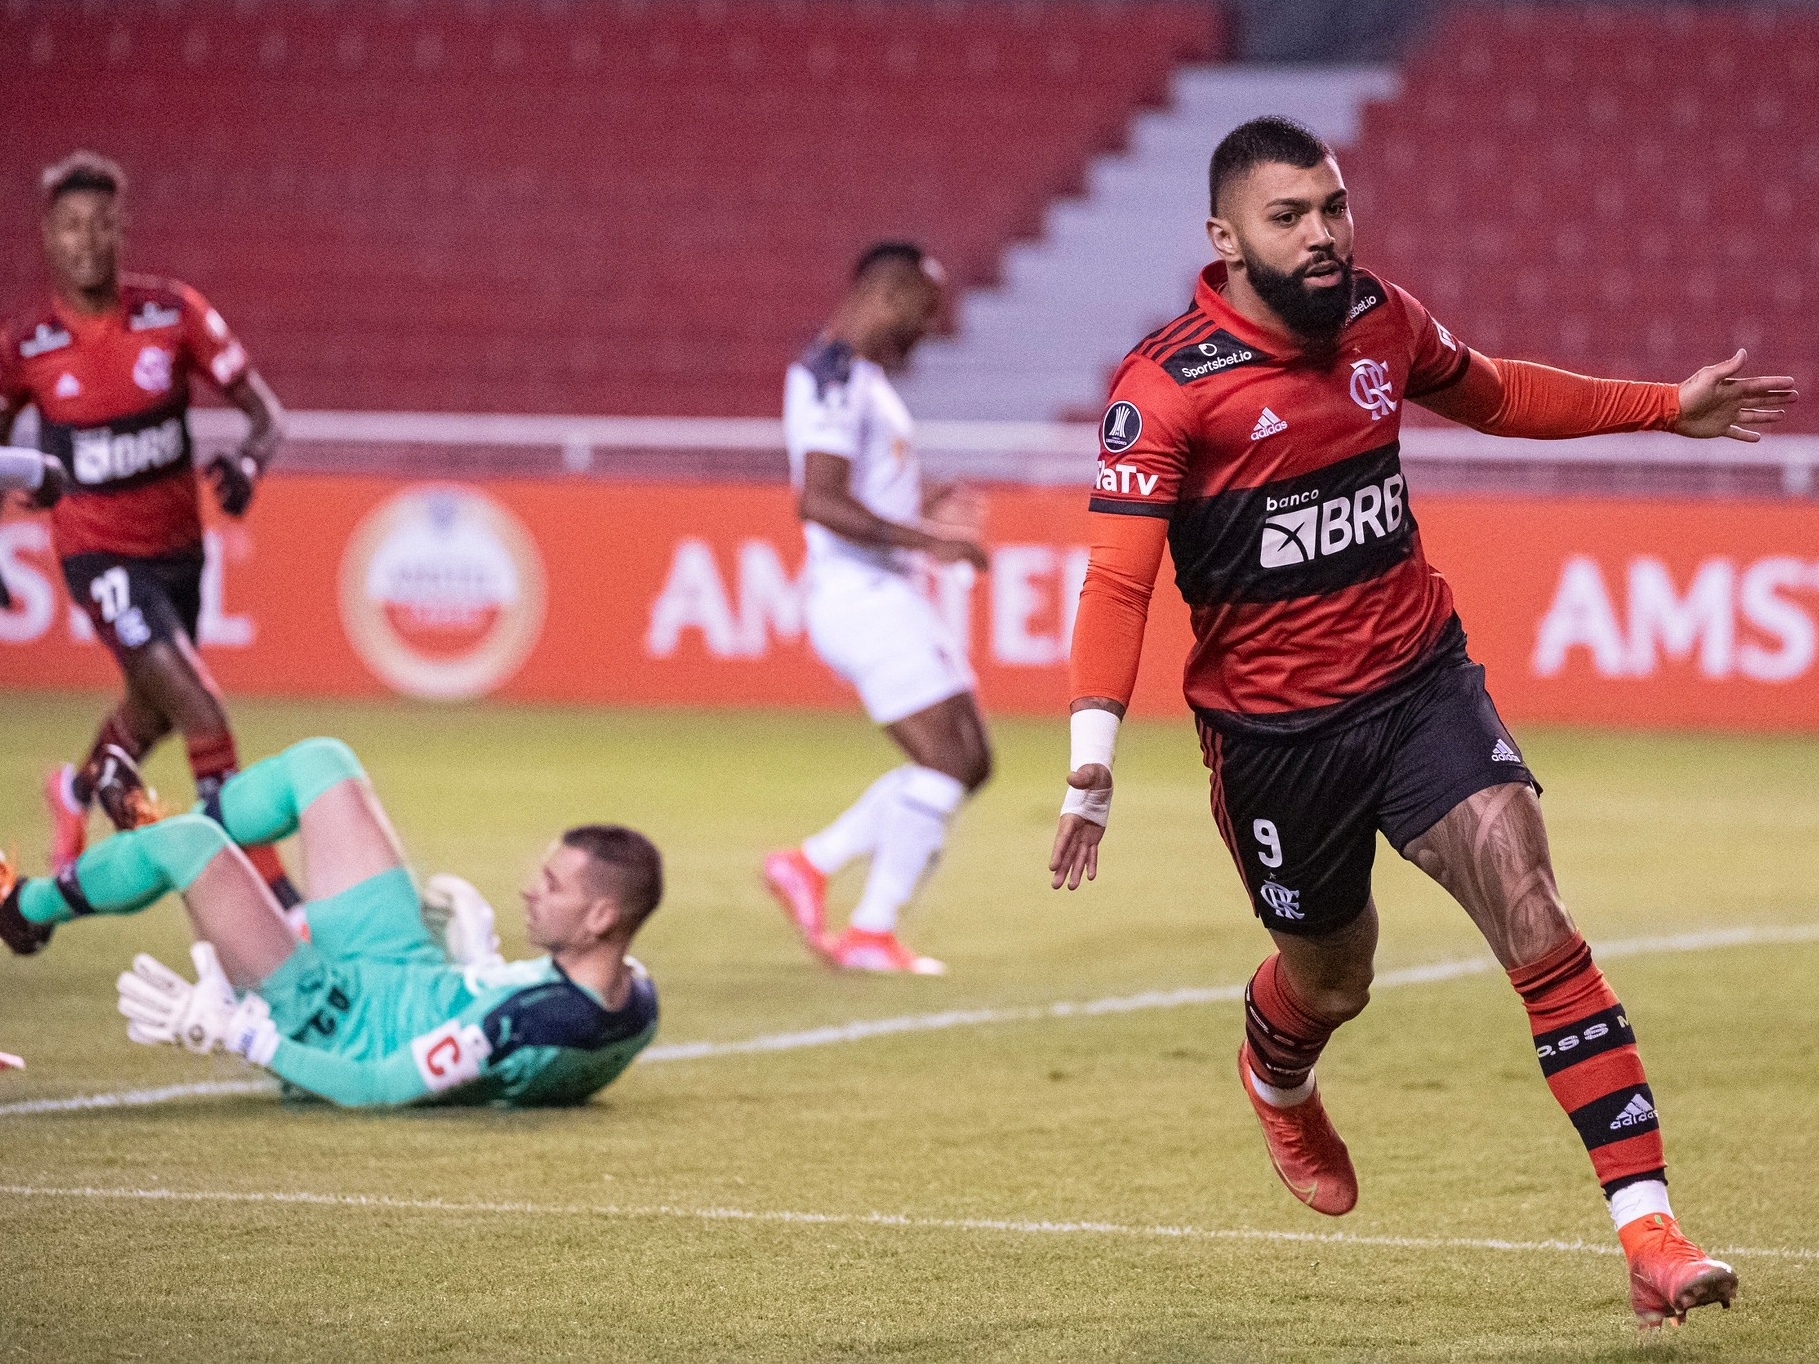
115,731
1285,1037
1588,1053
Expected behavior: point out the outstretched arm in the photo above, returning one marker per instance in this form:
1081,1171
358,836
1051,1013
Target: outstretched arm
1519,398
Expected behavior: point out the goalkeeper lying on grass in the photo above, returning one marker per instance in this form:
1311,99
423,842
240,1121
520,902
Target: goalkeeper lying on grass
370,1008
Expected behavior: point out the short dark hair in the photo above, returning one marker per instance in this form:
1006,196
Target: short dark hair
631,859
888,253
81,171
1271,138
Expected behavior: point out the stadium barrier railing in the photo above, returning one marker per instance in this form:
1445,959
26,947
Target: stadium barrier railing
1643,581
1040,454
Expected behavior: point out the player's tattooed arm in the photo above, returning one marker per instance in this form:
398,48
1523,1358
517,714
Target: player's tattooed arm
827,500
235,474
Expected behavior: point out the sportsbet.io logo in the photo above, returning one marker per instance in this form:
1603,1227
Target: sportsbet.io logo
1122,425
442,592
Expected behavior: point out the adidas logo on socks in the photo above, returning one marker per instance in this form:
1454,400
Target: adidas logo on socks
1637,1110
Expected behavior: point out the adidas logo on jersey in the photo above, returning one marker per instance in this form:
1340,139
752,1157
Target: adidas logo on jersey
1638,1110
1269,424
1503,753
44,338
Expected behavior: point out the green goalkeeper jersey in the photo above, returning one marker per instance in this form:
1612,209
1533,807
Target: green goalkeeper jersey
372,1013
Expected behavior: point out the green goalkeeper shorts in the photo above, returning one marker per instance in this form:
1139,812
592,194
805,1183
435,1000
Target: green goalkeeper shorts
370,977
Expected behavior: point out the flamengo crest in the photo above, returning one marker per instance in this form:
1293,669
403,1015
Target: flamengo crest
1371,388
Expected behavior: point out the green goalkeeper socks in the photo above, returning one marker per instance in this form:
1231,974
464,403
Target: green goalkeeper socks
125,873
263,803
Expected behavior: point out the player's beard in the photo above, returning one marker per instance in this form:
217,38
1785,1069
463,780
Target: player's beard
1315,315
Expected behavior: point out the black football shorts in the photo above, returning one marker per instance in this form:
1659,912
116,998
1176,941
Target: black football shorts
134,601
1301,815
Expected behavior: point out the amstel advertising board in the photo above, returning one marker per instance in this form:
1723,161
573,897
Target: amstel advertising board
1655,613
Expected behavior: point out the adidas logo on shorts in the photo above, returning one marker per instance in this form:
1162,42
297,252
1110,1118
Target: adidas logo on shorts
1638,1110
1503,753
1269,424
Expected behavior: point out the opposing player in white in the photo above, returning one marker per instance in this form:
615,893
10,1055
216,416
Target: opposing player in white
869,523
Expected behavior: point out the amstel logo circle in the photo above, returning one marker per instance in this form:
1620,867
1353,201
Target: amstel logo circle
442,592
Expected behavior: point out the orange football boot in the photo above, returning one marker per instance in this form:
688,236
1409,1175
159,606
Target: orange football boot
859,950
801,888
17,931
1669,1275
1308,1155
121,791
69,821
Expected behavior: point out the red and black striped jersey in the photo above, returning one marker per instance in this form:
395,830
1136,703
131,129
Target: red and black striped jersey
112,392
1280,477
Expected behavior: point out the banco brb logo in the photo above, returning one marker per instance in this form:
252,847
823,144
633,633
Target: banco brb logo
442,592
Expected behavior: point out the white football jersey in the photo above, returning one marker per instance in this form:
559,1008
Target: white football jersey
840,403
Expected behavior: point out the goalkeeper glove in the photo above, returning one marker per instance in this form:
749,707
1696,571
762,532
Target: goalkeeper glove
162,1007
458,914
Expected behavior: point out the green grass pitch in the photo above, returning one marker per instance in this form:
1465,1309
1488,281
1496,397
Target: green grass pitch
836,1201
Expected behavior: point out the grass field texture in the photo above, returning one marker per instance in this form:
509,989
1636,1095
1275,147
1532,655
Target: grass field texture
1024,1185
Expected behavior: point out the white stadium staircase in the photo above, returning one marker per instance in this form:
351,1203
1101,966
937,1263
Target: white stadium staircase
1111,266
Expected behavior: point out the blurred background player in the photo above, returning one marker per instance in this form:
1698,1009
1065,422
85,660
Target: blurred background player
107,359
372,1009
868,521
1329,676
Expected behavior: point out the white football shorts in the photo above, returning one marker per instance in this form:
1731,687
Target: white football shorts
879,633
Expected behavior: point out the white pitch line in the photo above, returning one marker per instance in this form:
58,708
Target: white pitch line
899,1221
138,1098
863,1029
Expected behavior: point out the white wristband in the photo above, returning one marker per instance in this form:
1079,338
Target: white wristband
1093,735
20,468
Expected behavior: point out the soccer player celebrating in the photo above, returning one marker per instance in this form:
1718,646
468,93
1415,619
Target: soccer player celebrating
371,1009
1257,435
868,522
107,359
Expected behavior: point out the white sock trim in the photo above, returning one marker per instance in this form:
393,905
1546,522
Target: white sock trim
855,833
1641,1199
1282,1098
935,790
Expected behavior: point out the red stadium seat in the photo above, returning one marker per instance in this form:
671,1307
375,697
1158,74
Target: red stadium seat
1587,187
530,207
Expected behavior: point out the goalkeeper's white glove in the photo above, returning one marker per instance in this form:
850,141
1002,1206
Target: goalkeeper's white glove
161,1007
458,914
